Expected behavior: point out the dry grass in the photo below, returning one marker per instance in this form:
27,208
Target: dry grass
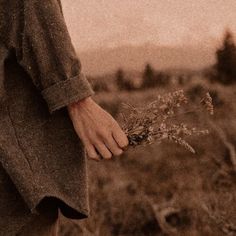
159,120
160,190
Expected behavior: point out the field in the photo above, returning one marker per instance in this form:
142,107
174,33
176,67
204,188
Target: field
164,189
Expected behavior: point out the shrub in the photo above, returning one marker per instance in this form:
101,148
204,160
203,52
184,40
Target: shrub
226,61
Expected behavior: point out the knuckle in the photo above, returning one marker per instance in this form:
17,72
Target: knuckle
113,124
105,135
108,140
96,142
94,139
90,135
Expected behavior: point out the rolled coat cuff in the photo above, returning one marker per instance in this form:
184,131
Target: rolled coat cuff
67,91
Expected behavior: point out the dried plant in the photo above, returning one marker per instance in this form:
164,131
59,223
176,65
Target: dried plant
158,120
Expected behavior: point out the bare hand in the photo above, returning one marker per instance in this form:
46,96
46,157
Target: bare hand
98,131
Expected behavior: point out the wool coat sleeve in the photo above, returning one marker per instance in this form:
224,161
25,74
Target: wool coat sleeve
47,54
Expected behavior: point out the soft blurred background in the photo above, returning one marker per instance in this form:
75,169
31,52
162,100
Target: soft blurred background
131,51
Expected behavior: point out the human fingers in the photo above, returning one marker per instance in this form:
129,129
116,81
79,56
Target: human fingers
91,152
113,146
103,150
120,137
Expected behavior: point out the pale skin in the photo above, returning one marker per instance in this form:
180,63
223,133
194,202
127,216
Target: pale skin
100,134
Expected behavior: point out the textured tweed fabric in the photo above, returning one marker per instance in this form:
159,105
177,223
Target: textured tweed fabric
40,154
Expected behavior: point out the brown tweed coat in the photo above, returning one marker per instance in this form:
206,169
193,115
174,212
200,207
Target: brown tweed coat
40,153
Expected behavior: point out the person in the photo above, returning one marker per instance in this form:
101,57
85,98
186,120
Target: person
48,121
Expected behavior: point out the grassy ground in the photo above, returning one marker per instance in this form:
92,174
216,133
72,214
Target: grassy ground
164,189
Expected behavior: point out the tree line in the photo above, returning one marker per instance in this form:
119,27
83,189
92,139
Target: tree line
223,71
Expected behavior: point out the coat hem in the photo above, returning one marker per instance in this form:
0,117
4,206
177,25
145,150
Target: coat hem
68,209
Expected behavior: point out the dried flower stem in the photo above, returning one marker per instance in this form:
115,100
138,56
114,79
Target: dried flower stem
149,124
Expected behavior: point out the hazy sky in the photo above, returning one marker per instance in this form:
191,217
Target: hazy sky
108,23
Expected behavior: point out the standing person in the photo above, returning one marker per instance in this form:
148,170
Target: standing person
47,121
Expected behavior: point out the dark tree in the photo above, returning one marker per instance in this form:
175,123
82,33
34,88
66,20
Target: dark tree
122,82
120,79
148,77
226,60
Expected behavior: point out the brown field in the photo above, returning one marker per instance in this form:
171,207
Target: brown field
164,189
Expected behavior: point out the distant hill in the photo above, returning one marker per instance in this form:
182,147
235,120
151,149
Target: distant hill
102,61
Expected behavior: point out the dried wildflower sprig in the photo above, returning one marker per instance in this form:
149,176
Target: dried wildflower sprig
207,103
154,123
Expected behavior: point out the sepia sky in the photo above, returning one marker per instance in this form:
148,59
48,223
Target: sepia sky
109,23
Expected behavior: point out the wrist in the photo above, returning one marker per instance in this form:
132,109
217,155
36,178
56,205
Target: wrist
81,103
